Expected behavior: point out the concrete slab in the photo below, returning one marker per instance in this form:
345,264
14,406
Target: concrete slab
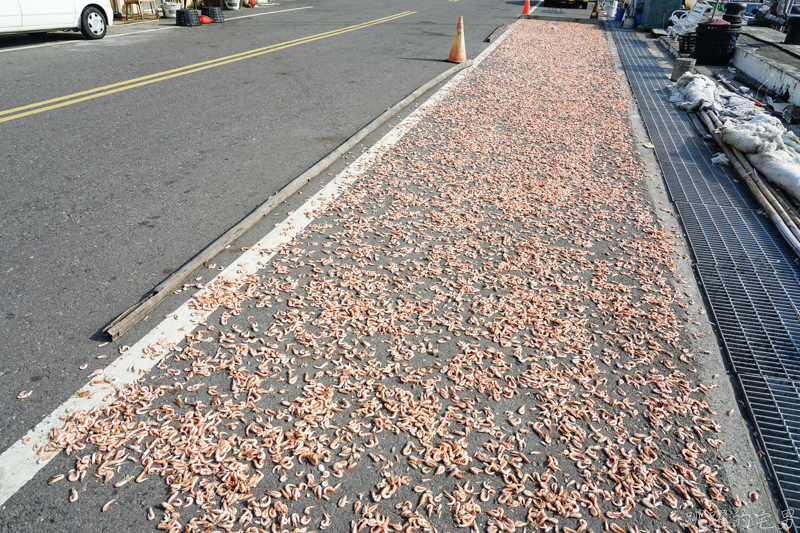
762,55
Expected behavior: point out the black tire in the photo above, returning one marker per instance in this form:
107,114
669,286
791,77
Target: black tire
93,23
585,5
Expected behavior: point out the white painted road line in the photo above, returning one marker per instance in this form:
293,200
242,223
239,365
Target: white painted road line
20,462
81,41
268,13
37,46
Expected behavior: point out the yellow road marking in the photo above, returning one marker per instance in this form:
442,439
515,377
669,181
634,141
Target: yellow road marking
126,23
82,96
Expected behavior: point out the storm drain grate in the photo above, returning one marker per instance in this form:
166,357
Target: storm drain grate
749,274
736,238
775,405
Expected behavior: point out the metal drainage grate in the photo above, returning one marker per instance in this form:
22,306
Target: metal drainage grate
750,276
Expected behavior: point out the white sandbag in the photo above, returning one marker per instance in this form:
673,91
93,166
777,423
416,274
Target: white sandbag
749,137
720,159
780,167
685,79
731,105
693,91
791,141
746,141
770,149
766,125
696,91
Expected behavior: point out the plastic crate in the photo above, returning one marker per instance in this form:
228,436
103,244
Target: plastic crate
214,13
715,45
686,42
187,17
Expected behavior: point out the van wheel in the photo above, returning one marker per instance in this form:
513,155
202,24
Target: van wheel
93,24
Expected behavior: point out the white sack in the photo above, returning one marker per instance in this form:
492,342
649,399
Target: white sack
769,148
752,136
720,159
780,167
693,91
731,105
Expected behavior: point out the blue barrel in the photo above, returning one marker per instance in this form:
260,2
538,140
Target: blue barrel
620,14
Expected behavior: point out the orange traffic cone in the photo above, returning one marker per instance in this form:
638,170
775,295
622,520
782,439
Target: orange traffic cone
527,9
596,11
458,54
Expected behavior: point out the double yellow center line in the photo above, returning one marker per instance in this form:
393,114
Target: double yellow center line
62,101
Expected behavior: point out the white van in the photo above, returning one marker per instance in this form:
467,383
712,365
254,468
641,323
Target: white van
90,17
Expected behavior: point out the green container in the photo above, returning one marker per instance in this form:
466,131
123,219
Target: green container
656,13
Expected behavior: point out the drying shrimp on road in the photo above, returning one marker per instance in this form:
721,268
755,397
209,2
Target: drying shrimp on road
489,328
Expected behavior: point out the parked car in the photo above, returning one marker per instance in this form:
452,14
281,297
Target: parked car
90,17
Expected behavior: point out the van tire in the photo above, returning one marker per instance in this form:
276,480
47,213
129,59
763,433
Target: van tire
93,23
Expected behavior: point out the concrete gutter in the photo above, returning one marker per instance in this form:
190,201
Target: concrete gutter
555,18
748,472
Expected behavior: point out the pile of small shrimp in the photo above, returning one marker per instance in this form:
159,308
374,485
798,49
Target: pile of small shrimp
485,332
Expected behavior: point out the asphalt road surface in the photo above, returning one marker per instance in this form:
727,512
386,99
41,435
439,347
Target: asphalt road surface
105,196
109,190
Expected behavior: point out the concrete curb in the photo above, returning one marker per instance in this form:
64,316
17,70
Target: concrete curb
564,19
133,315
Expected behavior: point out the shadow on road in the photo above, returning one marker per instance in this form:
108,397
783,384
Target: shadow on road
27,39
422,59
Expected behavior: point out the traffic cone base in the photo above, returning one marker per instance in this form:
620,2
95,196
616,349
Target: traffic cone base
596,11
527,9
458,53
